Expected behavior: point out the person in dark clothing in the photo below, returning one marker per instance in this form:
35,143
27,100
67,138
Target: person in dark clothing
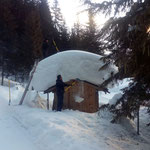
60,92
45,48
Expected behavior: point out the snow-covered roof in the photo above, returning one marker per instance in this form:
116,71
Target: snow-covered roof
70,64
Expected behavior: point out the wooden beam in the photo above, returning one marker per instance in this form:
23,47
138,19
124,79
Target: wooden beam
53,88
50,89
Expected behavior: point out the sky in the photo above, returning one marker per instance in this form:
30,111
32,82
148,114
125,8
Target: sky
71,10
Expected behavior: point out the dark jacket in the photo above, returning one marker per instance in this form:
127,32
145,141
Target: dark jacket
45,45
60,87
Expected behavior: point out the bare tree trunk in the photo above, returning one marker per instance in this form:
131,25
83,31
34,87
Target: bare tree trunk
2,82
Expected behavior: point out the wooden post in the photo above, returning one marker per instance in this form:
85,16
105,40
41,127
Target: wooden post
54,107
138,131
47,101
27,87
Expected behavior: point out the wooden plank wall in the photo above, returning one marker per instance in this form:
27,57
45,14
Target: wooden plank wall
81,90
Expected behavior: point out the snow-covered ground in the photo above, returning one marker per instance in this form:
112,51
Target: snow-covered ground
25,128
12,134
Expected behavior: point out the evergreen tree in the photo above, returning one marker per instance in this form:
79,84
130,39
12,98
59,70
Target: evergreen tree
86,38
46,19
61,35
64,38
34,33
7,22
90,40
72,39
8,35
76,36
128,40
47,25
57,16
20,32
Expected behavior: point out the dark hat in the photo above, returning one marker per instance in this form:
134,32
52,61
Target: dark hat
59,76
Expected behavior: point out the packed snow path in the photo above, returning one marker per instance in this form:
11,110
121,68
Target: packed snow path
74,130
13,136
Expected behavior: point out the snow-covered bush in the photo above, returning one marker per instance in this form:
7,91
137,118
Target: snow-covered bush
115,99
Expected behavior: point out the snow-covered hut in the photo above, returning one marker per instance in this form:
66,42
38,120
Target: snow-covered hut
79,68
82,96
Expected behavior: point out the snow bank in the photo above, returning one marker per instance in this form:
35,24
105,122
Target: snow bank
104,98
33,99
115,98
6,82
128,124
38,100
71,65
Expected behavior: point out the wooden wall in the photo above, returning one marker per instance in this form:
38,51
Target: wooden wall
80,91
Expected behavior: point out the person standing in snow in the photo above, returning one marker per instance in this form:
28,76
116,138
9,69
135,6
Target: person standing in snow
60,92
45,48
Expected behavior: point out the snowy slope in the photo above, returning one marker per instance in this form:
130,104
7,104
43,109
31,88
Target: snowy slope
13,135
71,65
26,128
71,130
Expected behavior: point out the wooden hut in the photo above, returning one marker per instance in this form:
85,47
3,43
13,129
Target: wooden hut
82,96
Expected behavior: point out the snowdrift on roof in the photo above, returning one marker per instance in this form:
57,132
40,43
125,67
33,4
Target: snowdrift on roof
70,64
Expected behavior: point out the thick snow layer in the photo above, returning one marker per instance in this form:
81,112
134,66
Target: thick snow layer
71,65
115,98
